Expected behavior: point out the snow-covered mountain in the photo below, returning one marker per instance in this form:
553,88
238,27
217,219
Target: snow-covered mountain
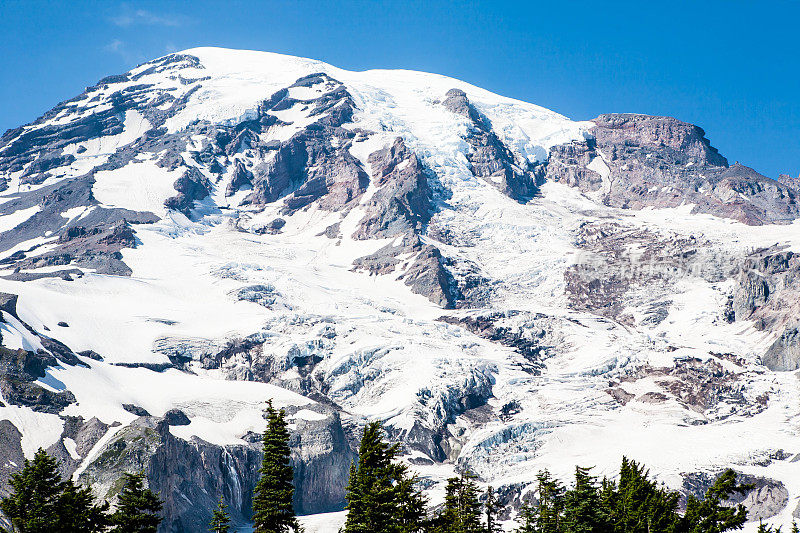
506,288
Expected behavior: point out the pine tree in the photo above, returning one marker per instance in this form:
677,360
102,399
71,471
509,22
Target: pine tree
412,504
42,502
527,515
492,508
78,512
273,510
462,509
766,529
637,504
220,519
795,529
371,496
709,515
549,514
137,507
582,510
381,496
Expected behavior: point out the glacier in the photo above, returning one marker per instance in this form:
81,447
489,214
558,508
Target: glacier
505,288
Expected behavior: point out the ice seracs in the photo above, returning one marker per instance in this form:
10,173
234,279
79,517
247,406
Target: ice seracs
507,289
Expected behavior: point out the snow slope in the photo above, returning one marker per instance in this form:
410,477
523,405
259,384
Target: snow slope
382,351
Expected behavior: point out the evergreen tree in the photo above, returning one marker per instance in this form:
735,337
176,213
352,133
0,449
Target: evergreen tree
795,529
637,504
273,511
42,502
412,503
380,494
582,510
633,504
527,515
137,507
766,529
462,509
709,515
79,513
549,514
493,508
220,519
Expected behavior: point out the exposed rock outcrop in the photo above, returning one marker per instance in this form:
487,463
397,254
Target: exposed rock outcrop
402,203
192,475
315,163
636,161
19,370
767,292
488,157
766,499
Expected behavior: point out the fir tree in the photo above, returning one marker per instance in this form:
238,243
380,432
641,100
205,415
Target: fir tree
549,514
462,509
795,529
637,504
766,529
371,496
381,496
412,504
582,510
709,515
220,519
137,508
42,502
79,513
492,508
527,515
273,510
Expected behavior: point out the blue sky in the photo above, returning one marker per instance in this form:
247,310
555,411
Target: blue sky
733,67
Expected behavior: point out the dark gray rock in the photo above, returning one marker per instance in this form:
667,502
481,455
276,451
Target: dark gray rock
176,417
11,456
135,409
272,228
321,455
768,293
784,353
314,165
192,186
402,205
95,242
489,158
8,303
241,177
19,369
425,274
84,434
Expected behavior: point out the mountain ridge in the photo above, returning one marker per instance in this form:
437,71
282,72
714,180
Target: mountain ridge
505,288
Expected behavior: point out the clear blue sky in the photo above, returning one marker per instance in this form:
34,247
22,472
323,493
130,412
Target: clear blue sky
732,67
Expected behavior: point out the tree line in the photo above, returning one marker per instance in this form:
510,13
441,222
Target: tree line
384,496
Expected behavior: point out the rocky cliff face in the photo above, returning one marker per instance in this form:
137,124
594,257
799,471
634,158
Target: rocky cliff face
766,293
506,289
637,161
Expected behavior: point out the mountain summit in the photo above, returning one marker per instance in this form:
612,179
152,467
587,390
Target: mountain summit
507,289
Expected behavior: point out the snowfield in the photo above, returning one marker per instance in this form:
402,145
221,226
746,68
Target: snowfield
382,351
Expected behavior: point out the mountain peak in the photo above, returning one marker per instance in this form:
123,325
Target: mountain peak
505,288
